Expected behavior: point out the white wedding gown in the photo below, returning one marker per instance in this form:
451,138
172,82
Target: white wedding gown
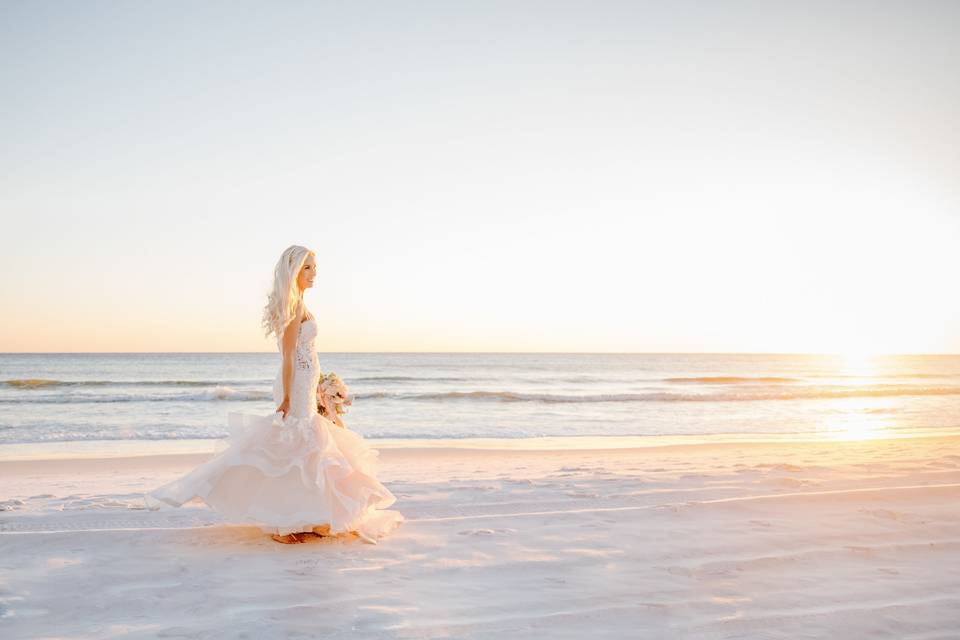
298,473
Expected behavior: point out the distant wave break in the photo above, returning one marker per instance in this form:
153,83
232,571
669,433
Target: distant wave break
669,396
41,383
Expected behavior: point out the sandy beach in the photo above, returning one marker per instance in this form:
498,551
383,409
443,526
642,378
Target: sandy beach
851,539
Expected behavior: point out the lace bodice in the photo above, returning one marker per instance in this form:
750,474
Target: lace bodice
306,373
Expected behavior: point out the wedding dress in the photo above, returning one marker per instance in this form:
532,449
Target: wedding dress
290,474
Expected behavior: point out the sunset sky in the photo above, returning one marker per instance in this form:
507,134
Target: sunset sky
483,176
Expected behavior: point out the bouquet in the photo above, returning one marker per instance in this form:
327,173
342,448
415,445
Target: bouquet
332,397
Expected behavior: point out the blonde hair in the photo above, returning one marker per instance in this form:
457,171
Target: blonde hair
286,297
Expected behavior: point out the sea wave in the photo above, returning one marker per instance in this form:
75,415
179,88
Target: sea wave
220,392
781,393
731,380
114,435
408,379
42,383
30,383
745,380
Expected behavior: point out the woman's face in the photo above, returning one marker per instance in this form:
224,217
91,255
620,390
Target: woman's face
307,273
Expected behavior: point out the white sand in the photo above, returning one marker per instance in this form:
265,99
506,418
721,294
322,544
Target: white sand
785,540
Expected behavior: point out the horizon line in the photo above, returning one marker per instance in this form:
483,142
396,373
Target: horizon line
638,353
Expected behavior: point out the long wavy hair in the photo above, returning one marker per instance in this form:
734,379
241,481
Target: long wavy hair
286,297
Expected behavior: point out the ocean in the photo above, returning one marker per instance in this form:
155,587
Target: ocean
96,399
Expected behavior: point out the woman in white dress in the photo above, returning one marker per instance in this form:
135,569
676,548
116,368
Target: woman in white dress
293,472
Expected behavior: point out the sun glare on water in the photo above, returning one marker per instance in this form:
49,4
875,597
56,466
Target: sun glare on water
856,422
858,418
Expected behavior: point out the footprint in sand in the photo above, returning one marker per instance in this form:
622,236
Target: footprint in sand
485,532
860,549
896,516
789,482
479,487
786,467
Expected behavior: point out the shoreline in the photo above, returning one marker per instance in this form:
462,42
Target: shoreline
113,449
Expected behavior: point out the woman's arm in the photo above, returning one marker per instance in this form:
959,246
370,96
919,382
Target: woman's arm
289,344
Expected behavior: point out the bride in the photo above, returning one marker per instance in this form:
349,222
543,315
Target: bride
294,472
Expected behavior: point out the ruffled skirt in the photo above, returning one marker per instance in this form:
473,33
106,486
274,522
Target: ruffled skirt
290,475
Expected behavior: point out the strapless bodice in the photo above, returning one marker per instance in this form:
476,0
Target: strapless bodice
306,373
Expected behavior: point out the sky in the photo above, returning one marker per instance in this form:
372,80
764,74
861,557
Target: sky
487,175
